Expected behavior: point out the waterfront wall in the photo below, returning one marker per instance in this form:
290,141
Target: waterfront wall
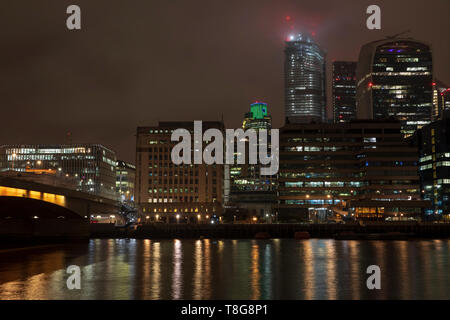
240,231
24,233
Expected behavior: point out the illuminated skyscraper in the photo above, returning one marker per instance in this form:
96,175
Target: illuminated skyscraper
344,91
251,192
258,117
304,74
394,79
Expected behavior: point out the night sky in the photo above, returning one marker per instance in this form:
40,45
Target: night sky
137,62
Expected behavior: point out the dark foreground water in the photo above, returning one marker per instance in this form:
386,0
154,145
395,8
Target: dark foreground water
230,269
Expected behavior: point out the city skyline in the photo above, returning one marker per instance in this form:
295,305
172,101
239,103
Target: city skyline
217,158
100,88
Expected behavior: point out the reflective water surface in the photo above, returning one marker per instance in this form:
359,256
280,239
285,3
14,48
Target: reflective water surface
229,269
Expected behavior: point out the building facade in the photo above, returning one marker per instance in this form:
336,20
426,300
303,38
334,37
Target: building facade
356,170
441,99
92,166
394,79
305,84
126,173
165,192
251,194
433,141
344,91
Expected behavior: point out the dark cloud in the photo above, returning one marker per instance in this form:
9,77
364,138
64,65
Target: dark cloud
136,62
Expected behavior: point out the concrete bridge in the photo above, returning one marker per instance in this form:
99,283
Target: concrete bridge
83,204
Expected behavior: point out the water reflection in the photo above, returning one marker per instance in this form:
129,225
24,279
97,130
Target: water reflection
255,271
155,268
229,269
177,283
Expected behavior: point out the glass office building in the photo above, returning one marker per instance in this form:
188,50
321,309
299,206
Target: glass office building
433,141
362,169
344,91
395,79
92,166
305,86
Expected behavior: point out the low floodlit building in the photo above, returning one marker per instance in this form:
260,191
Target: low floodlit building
125,177
166,192
92,166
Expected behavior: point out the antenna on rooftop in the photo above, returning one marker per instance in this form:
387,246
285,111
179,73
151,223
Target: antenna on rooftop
69,137
398,34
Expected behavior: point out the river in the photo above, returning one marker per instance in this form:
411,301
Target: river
229,269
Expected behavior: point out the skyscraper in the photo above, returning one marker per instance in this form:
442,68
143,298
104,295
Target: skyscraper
304,74
344,91
394,79
251,192
258,117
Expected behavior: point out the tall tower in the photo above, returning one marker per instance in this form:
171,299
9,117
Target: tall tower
304,76
395,79
344,91
251,192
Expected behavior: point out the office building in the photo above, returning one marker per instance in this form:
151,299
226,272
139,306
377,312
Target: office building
165,192
441,99
394,79
344,91
92,166
305,86
126,173
357,170
433,141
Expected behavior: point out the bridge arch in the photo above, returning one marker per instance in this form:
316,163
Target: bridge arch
23,218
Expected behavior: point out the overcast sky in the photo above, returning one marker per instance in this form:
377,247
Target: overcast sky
137,62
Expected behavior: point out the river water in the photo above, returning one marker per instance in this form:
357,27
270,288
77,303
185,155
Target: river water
229,269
